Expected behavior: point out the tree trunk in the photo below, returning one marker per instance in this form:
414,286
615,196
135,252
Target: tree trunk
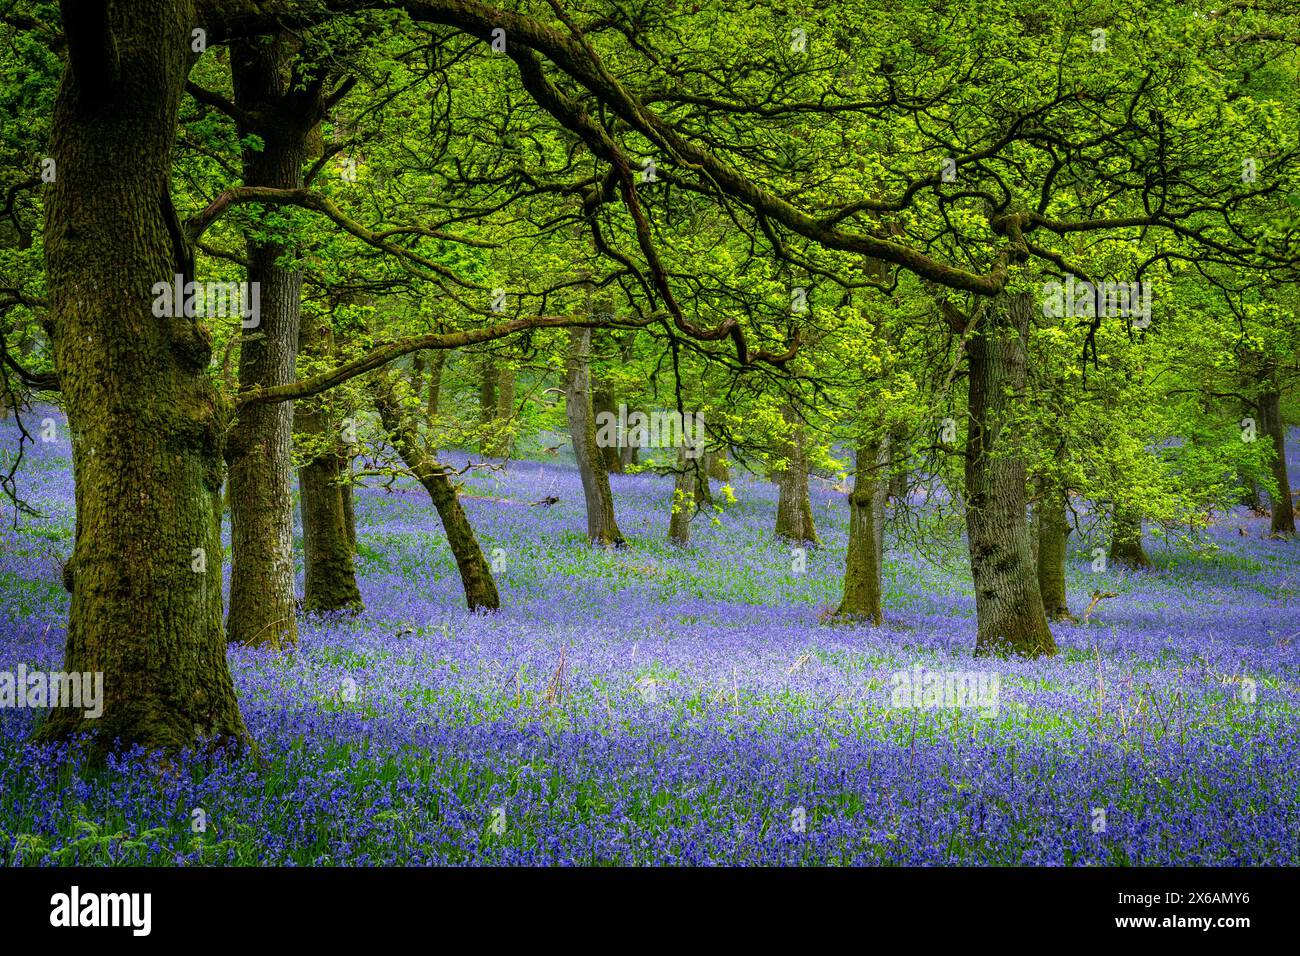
475,575
794,517
487,405
1051,531
699,466
1008,605
601,526
717,466
145,572
436,364
259,453
349,502
1126,539
329,581
863,562
898,464
683,505
602,403
1271,424
503,445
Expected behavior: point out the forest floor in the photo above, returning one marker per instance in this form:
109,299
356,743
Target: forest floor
664,705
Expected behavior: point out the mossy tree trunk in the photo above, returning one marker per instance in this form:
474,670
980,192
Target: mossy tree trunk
602,403
329,579
1126,539
1282,512
1008,604
683,503
259,450
145,572
794,517
1051,534
475,574
864,559
601,525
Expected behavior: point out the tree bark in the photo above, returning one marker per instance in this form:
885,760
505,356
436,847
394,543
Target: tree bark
1008,605
1051,531
683,504
898,464
863,561
717,466
475,574
147,433
602,403
1126,539
436,364
329,580
601,526
503,445
259,450
794,517
487,405
1271,424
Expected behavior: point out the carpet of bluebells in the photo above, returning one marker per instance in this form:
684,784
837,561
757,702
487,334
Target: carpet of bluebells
689,706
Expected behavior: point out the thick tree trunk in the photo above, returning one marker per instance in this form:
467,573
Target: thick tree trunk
717,466
683,504
700,471
1271,424
601,526
259,451
794,517
475,575
1126,539
1008,605
863,562
329,580
145,572
1051,531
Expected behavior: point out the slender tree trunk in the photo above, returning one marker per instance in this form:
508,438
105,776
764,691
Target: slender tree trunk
1126,539
683,504
487,405
601,526
1051,531
1271,424
629,453
1008,605
329,581
259,452
863,562
475,574
437,363
898,464
145,571
794,517
503,445
349,502
602,403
